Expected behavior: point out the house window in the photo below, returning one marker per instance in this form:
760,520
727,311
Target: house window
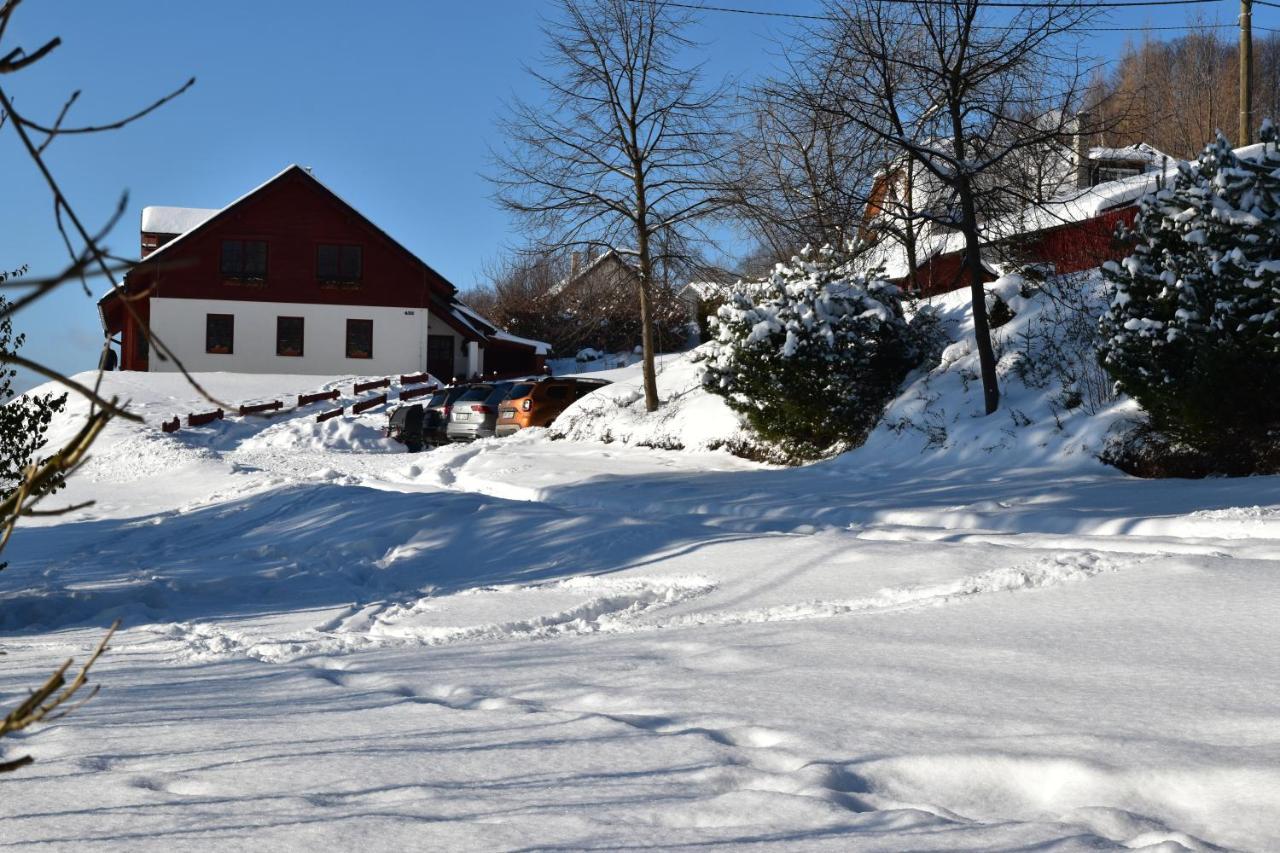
244,260
359,339
339,264
219,333
289,336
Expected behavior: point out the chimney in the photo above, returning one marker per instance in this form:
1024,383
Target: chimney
1081,144
575,264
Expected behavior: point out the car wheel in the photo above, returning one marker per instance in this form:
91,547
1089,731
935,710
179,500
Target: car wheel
413,446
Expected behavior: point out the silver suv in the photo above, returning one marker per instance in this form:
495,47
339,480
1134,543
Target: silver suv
475,413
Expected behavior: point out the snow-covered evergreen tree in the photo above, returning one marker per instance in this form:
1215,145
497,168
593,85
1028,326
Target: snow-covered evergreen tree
811,355
1193,328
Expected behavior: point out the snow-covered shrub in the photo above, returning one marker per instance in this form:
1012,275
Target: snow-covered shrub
811,355
1193,328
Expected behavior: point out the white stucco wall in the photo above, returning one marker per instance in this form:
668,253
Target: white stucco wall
399,337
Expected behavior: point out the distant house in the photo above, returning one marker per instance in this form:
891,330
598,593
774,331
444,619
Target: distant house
1087,193
289,278
599,302
608,273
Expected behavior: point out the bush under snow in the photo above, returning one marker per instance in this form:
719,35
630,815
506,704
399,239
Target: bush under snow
811,355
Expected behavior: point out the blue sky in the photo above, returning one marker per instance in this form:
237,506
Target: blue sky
393,104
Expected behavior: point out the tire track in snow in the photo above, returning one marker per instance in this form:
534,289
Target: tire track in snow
617,603
614,606
1046,572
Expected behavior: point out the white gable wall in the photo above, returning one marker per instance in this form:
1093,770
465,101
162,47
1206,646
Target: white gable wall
399,337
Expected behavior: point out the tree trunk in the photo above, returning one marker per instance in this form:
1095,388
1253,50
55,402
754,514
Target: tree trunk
981,328
646,321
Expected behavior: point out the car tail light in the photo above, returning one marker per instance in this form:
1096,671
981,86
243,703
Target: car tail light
527,404
484,410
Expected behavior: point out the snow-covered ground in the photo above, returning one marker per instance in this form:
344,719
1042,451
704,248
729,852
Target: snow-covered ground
926,644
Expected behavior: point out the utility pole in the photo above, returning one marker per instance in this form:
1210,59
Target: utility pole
1245,135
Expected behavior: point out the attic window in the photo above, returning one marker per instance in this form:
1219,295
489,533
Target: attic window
244,260
341,264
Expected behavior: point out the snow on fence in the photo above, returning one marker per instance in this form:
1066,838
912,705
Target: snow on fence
308,399
204,418
261,407
366,405
411,393
361,387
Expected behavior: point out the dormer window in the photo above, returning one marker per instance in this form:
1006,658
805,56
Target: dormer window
341,265
244,260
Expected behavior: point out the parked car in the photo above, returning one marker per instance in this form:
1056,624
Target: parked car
405,426
438,409
417,425
475,413
538,403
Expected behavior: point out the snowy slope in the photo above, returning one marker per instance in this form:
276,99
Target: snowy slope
533,643
937,418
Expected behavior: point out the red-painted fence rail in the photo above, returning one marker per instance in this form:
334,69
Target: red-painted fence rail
308,399
366,405
361,387
411,393
204,418
261,407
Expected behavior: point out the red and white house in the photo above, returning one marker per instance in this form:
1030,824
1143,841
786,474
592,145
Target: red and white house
289,278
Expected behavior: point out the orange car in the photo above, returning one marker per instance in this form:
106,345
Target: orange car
536,403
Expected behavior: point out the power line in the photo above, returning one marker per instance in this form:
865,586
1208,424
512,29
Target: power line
798,16
1008,4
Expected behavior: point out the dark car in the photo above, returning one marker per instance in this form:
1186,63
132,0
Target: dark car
405,426
418,425
533,404
475,413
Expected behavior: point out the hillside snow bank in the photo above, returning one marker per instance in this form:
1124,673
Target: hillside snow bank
688,419
1055,400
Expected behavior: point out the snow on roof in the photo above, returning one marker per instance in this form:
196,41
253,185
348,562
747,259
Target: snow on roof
704,289
490,329
539,347
1140,153
183,234
174,220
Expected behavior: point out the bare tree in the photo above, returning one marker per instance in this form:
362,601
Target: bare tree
1176,94
88,259
621,153
960,95
797,176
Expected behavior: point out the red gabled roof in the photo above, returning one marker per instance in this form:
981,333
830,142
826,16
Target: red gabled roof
291,169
